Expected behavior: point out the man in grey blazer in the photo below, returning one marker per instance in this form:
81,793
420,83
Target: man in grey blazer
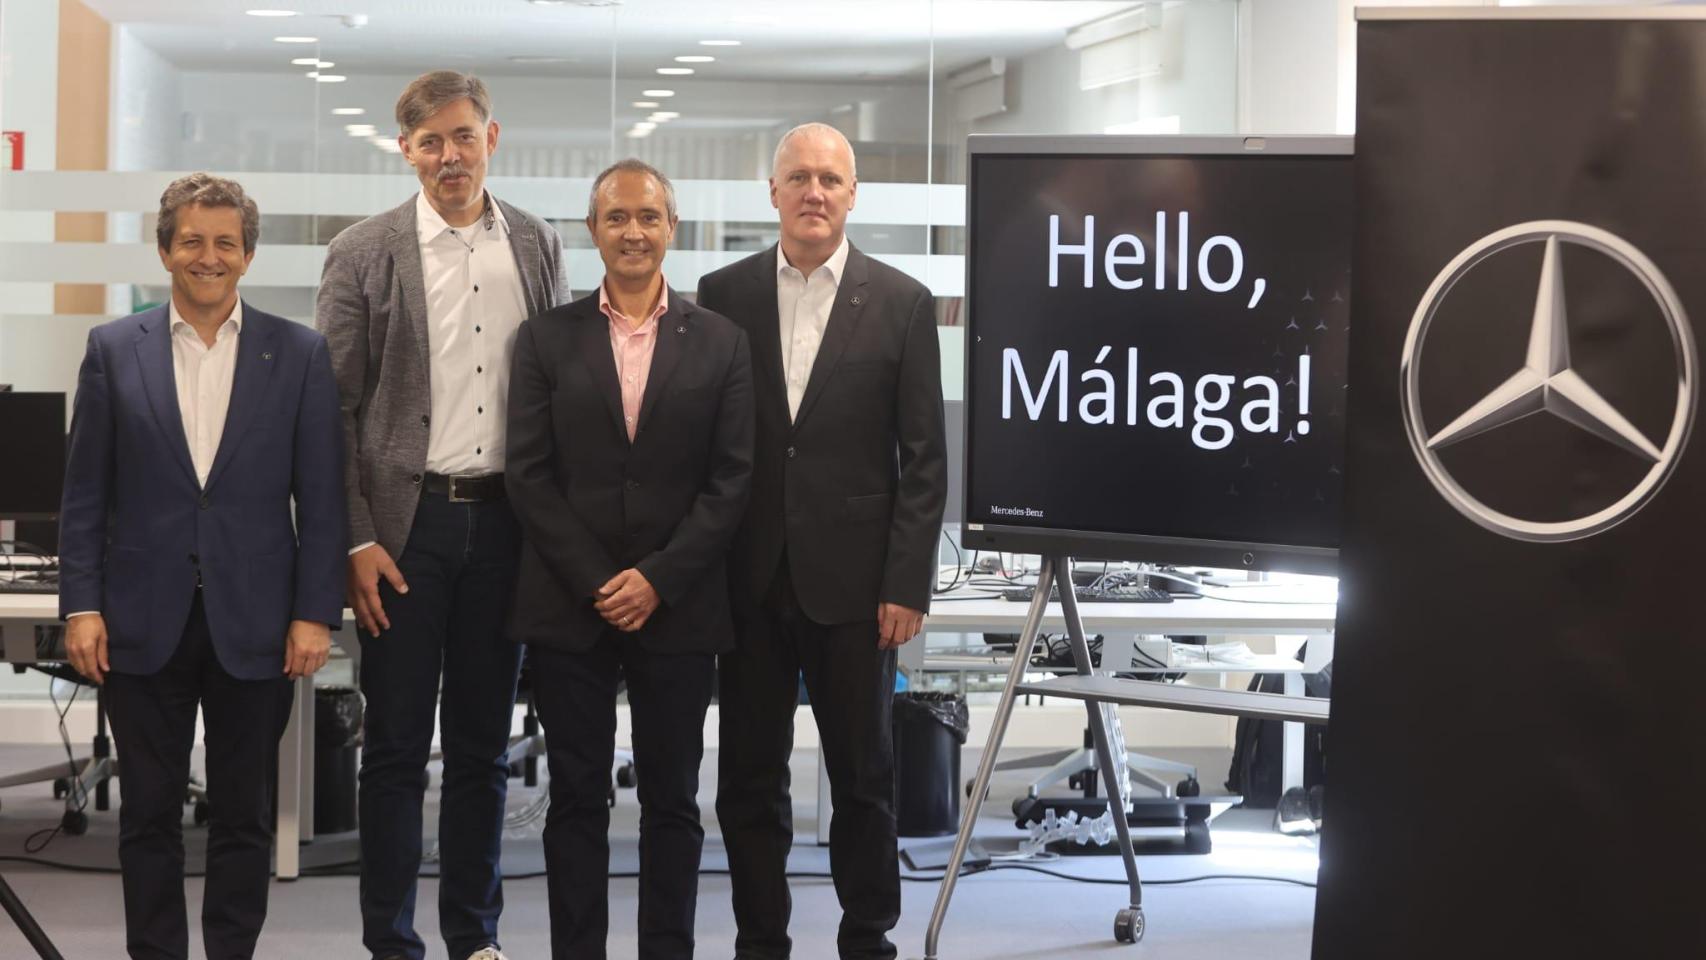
420,306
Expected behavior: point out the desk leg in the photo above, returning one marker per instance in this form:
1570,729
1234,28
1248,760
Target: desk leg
292,759
305,797
825,809
1291,754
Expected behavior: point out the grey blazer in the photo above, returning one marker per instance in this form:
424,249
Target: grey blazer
372,309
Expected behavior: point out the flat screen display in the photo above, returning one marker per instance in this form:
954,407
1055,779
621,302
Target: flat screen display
32,449
1156,351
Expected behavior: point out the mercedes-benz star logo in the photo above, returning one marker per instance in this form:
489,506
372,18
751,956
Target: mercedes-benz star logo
1546,382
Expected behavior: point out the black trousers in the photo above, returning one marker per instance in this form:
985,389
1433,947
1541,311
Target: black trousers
576,697
153,721
851,684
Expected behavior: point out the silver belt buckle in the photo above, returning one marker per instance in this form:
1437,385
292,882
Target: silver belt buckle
454,496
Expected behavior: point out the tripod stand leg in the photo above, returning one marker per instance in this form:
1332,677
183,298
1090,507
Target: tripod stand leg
1128,923
986,766
27,925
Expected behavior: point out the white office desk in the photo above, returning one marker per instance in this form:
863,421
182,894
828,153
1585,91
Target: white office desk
1303,610
1270,609
21,612
1257,609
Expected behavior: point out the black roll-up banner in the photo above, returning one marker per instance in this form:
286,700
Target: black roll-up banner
1517,757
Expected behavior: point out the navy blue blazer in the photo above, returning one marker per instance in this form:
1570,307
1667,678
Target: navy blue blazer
136,529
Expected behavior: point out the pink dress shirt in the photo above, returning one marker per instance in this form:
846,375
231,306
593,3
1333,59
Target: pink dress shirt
632,349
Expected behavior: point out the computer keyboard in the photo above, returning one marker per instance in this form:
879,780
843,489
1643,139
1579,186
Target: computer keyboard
1114,594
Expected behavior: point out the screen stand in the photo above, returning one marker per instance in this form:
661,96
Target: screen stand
1128,923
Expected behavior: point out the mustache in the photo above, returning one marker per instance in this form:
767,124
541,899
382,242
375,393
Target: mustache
454,171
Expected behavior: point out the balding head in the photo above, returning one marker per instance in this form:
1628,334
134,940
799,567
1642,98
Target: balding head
821,132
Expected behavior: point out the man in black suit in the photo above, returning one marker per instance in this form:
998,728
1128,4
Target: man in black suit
833,565
629,464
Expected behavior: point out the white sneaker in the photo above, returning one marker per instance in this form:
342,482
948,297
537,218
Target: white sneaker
487,953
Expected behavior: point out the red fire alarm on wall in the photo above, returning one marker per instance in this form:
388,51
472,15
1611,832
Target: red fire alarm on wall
13,156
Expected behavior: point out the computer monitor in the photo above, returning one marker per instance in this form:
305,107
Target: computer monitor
32,452
1156,348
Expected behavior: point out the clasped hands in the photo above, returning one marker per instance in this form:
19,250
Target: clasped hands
627,600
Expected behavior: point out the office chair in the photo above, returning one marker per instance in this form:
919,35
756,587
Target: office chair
1077,767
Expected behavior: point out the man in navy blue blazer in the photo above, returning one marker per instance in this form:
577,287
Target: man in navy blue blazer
187,579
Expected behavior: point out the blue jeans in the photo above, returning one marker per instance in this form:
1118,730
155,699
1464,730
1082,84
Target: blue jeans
459,565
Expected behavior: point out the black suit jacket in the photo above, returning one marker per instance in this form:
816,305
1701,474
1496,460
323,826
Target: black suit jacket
854,487
592,504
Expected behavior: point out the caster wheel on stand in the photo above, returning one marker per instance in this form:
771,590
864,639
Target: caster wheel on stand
1188,787
200,813
1128,925
75,823
61,788
625,776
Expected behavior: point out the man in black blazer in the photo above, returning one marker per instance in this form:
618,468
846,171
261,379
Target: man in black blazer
629,464
201,552
834,562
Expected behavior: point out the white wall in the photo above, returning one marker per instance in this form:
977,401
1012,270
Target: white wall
1289,66
1197,83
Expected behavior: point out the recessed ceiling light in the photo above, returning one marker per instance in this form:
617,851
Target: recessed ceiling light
719,43
329,78
675,71
695,59
547,3
646,104
312,62
348,111
645,125
536,60
638,134
360,129
657,93
270,13
663,116
295,39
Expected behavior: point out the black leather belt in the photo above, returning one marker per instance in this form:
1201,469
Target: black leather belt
466,488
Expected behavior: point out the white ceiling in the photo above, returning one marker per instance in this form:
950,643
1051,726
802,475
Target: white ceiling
843,40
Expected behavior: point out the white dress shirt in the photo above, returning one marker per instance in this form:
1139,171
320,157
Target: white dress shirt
475,305
204,376
802,305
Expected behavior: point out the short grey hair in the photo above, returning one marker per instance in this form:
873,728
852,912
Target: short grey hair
207,190
630,165
431,92
814,127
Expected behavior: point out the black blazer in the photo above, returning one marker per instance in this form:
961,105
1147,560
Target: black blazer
854,487
592,504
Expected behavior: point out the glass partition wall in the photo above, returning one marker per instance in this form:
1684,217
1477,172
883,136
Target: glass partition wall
105,101
113,98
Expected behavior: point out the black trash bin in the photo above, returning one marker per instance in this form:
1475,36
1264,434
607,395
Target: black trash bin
337,738
929,729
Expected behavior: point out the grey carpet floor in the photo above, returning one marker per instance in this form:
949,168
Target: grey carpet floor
1000,915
